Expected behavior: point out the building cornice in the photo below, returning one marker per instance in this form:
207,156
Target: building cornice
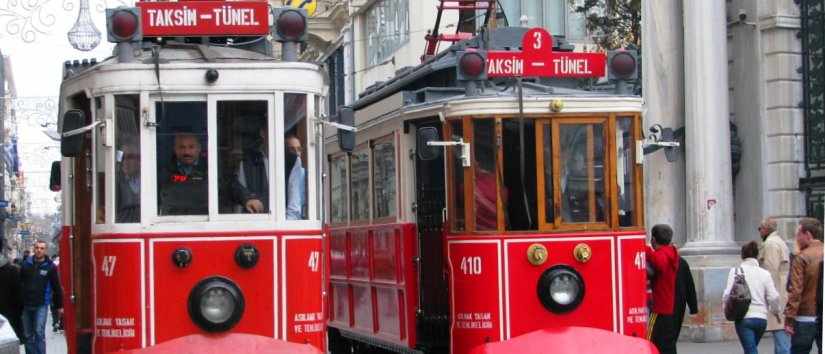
780,22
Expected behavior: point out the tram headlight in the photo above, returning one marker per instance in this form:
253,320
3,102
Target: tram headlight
560,289
216,304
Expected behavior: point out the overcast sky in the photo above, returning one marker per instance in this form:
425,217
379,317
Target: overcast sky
33,34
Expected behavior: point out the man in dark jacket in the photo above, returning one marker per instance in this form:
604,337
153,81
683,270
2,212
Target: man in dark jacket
41,286
685,295
183,182
665,261
11,301
250,188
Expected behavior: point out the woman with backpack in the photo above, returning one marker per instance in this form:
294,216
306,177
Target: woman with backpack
748,297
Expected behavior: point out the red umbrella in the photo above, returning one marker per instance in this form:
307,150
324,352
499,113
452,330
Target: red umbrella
225,343
569,340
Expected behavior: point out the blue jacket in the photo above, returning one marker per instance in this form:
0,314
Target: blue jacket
40,283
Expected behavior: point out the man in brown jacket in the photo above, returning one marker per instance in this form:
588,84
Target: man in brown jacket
800,313
775,258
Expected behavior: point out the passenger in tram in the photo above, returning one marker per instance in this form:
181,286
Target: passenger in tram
250,188
183,184
127,190
296,179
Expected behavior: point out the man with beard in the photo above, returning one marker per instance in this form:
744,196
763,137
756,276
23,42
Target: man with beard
183,183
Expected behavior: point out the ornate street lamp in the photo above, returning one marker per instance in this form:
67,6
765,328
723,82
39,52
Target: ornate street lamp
84,35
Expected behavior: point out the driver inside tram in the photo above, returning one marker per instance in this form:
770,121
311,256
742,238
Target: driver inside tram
183,183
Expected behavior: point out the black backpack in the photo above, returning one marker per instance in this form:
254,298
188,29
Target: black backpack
739,298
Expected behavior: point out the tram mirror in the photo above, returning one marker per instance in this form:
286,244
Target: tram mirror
346,138
54,177
70,146
425,151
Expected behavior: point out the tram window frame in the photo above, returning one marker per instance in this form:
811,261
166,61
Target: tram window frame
102,163
454,180
637,173
345,185
213,101
135,142
307,157
361,148
392,217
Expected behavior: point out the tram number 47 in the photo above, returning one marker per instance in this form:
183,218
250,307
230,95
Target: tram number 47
314,261
471,265
108,265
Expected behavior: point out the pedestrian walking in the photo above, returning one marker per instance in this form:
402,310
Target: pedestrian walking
764,298
775,258
685,293
11,301
40,287
801,311
664,260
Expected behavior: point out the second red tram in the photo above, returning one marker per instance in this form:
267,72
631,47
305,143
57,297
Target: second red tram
475,214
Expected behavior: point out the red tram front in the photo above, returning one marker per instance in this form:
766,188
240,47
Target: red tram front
471,211
191,212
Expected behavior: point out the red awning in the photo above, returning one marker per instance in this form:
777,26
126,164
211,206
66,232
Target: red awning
225,343
569,340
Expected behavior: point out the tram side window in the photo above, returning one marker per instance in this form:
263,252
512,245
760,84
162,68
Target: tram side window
100,163
295,173
127,159
183,185
243,157
582,173
484,166
624,170
338,189
549,208
383,192
520,180
457,176
360,177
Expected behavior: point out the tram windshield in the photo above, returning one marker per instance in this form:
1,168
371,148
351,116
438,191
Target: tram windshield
183,183
542,174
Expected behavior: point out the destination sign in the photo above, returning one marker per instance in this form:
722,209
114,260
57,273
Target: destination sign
537,59
204,18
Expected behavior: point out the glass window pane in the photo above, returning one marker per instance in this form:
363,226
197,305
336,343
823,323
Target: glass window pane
359,174
549,182
387,29
295,114
553,12
624,170
183,185
338,185
457,176
484,164
243,157
100,163
127,159
576,30
519,179
582,173
383,155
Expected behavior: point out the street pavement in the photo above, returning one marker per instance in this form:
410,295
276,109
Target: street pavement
55,342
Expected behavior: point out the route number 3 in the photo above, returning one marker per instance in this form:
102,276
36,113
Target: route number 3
639,260
471,265
536,40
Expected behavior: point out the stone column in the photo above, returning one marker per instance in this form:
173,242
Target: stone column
707,133
664,92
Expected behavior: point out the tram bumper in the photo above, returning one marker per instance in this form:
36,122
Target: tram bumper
225,343
569,340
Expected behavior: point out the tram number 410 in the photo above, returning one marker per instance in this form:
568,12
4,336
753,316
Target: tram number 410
639,261
471,265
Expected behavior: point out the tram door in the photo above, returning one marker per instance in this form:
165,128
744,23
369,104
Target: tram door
433,324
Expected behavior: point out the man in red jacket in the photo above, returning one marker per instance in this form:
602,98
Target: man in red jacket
665,262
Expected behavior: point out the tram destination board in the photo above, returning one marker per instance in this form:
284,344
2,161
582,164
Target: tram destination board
537,59
204,18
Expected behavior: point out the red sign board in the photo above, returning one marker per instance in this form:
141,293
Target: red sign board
539,59
204,18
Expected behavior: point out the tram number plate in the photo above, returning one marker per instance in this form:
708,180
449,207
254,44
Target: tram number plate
471,265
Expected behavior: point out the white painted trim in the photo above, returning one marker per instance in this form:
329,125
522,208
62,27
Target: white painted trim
452,286
143,324
621,277
558,239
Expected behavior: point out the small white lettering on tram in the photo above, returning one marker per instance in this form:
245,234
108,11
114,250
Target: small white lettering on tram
183,17
123,327
636,315
229,16
510,66
474,320
563,65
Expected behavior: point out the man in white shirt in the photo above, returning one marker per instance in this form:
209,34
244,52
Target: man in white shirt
295,175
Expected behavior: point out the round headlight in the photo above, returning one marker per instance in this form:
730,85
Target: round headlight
216,304
560,289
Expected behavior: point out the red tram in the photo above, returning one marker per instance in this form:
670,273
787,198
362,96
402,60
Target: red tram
191,212
471,210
